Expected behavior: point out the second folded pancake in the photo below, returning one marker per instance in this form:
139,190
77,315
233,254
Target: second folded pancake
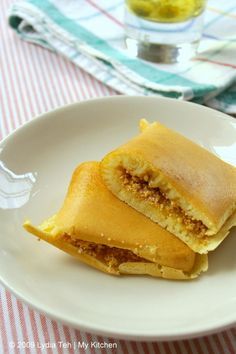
175,182
100,230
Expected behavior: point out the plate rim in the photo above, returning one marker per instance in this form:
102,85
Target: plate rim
120,334
46,115
179,334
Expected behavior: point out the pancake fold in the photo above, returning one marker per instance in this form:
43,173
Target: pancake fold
176,183
98,229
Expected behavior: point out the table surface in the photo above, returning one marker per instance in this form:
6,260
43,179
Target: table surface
34,80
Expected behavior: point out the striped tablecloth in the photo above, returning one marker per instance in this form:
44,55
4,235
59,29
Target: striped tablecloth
33,81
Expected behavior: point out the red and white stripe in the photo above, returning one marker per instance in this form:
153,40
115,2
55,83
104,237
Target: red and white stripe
34,80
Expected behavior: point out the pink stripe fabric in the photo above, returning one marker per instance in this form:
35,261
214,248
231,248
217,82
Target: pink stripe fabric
34,80
107,14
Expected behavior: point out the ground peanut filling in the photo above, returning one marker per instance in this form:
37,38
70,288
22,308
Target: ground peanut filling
112,256
155,196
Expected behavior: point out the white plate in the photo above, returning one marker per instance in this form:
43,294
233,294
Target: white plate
37,162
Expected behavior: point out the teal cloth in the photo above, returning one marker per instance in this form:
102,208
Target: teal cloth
90,33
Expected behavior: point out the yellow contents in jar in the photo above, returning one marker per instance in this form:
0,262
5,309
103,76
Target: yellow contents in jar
166,10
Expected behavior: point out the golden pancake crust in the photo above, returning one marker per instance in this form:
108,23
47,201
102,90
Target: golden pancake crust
92,213
202,185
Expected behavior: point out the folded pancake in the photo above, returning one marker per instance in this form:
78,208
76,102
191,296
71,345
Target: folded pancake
176,183
100,230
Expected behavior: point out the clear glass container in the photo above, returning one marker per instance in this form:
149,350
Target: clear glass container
166,31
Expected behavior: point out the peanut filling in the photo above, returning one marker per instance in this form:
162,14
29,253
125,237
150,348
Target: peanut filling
112,256
154,195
